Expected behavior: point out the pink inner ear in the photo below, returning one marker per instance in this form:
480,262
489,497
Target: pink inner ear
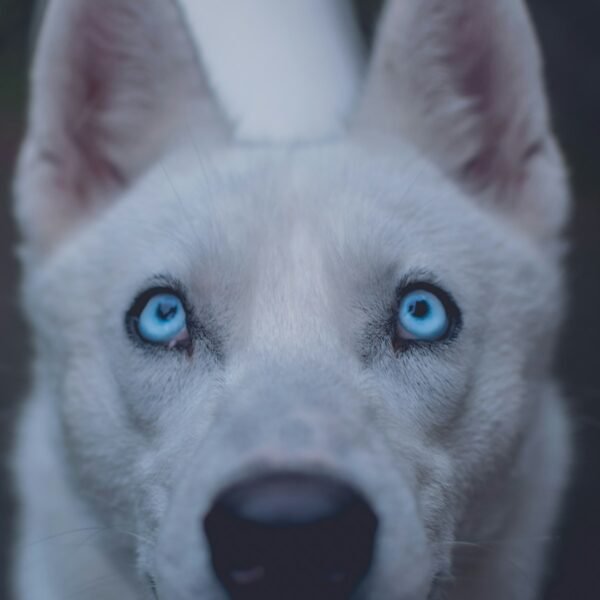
480,64
87,136
99,59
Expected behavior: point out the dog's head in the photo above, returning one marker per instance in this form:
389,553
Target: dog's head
294,362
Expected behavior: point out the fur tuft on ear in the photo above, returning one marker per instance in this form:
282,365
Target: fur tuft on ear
112,82
461,79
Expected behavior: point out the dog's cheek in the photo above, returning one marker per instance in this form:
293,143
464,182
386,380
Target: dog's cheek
102,449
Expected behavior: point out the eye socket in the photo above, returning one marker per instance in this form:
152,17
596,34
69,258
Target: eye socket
425,314
159,317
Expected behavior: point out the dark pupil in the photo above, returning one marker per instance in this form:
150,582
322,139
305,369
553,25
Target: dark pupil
419,309
166,311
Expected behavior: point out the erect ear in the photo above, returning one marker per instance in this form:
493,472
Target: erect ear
461,79
112,83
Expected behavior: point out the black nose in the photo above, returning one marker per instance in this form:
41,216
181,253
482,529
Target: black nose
290,536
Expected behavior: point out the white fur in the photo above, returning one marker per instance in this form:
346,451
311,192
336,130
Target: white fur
290,254
287,47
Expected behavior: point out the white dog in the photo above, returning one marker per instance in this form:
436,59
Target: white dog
293,319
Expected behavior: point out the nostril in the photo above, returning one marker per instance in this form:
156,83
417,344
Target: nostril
290,534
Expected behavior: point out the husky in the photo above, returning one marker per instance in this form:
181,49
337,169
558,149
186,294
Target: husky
294,304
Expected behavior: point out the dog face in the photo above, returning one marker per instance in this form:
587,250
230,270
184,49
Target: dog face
380,309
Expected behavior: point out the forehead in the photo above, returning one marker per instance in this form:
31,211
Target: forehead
336,201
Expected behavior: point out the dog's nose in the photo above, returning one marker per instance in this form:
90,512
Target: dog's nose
292,536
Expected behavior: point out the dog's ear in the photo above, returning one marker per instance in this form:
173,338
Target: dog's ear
112,83
461,79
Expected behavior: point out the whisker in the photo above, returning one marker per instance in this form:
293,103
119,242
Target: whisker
94,531
61,535
482,544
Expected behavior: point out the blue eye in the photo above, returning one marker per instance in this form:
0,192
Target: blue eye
423,316
160,318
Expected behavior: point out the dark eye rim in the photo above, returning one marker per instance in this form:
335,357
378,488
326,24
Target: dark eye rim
452,310
132,316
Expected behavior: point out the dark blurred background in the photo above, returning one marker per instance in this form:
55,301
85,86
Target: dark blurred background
570,34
